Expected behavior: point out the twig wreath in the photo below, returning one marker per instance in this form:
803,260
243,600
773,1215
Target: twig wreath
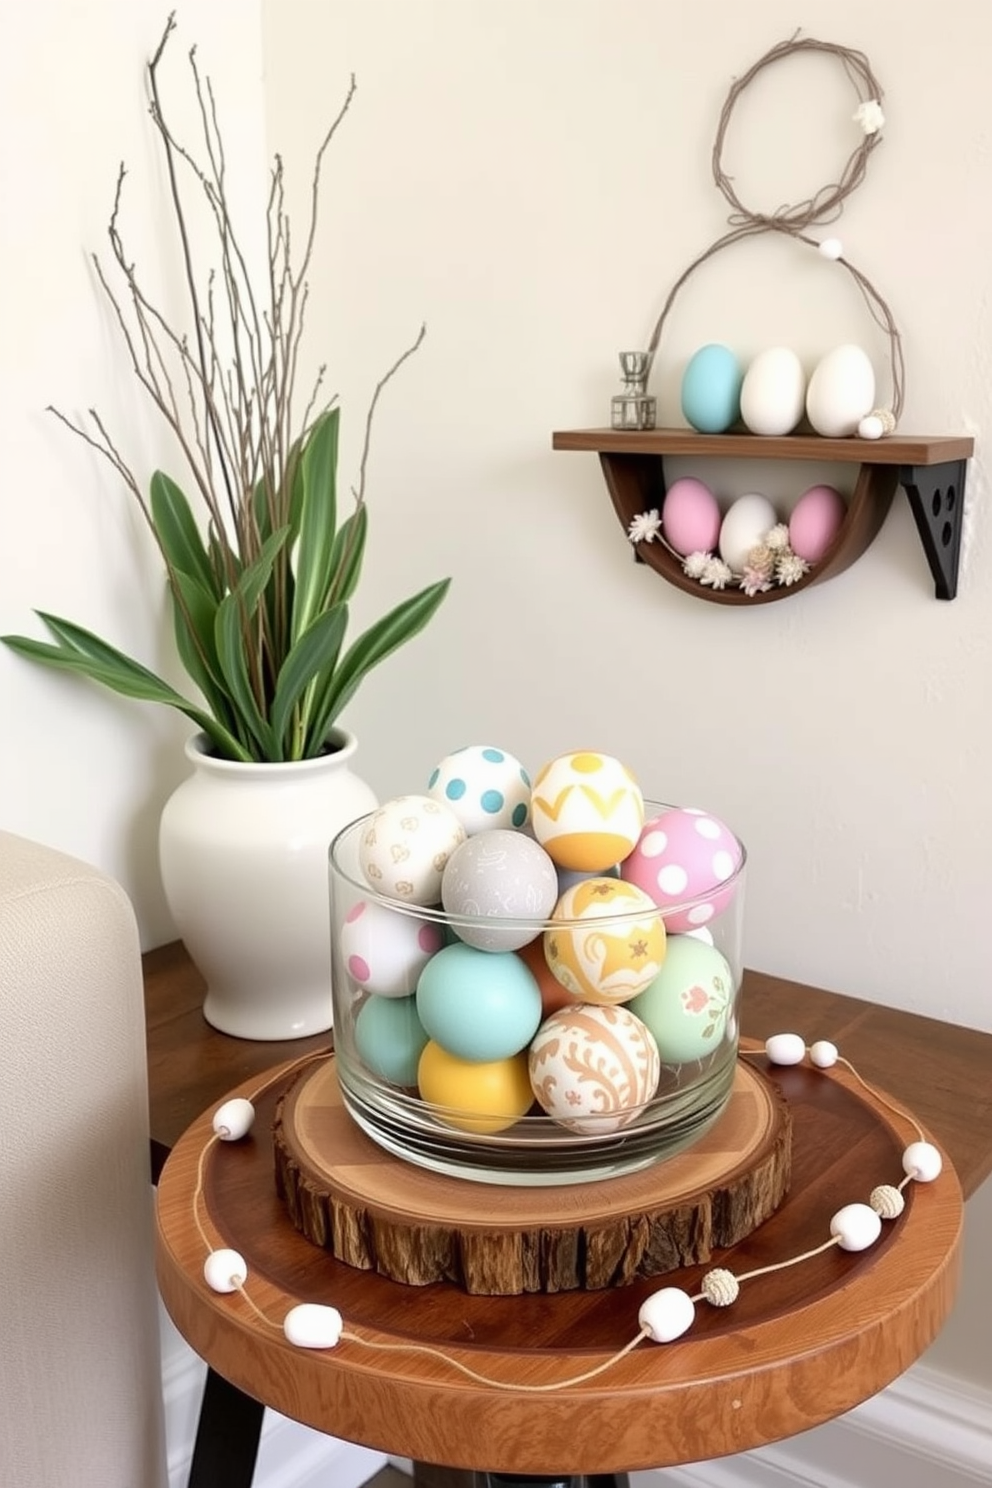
663,1316
773,561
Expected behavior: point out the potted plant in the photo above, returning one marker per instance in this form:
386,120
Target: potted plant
259,569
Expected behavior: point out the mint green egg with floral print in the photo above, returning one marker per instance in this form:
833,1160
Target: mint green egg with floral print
688,1004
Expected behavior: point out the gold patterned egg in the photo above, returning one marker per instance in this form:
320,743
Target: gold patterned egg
610,944
592,1069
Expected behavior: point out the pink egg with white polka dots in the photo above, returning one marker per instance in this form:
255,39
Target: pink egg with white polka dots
686,860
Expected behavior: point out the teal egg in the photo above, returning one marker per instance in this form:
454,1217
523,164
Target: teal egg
390,1038
478,1005
711,389
687,1005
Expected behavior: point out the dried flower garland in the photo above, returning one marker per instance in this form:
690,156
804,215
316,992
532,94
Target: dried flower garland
769,563
824,206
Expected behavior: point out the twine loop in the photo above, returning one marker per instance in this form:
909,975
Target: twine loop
824,206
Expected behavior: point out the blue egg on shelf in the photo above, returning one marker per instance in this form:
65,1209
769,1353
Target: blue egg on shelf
711,389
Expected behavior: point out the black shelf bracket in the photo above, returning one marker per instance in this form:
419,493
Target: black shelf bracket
936,496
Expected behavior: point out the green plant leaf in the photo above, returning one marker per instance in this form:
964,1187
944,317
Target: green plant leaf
373,646
233,636
317,521
178,533
83,653
347,555
193,625
316,652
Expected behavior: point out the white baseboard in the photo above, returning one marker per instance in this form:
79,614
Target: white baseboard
927,1430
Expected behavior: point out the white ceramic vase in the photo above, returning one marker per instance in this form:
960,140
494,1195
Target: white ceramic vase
243,853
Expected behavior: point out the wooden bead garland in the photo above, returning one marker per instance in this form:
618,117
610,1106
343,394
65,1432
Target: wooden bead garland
663,1317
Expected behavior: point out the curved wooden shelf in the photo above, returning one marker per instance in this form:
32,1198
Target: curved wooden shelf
931,469
798,1347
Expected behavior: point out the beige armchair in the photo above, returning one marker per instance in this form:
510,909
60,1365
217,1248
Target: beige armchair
80,1378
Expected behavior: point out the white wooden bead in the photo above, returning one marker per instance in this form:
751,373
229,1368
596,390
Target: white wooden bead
225,1271
870,427
233,1120
856,1226
312,1325
667,1314
831,247
823,1054
785,1048
922,1161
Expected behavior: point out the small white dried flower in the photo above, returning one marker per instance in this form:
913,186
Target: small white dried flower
694,566
754,581
716,574
645,526
777,540
869,115
790,568
760,559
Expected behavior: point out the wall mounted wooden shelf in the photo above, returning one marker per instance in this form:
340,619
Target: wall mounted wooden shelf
931,471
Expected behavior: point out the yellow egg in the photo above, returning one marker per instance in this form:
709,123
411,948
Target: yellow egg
482,1098
587,811
617,948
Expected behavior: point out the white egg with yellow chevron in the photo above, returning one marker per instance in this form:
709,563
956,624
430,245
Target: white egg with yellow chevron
587,810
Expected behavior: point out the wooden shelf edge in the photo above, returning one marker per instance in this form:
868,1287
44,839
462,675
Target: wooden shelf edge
895,449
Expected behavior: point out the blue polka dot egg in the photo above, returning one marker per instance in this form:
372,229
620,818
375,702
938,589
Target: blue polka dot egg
485,788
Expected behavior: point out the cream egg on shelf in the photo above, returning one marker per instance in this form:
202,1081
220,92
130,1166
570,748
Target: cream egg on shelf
841,392
773,392
747,522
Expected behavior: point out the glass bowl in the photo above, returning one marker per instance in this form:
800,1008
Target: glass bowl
508,1048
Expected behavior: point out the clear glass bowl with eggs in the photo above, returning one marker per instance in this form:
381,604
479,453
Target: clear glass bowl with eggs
535,984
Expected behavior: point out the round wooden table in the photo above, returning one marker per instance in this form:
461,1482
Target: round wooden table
798,1347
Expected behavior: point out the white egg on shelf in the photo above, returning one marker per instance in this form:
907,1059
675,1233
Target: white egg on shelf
773,392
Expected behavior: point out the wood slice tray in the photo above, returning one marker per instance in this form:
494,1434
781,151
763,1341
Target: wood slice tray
376,1212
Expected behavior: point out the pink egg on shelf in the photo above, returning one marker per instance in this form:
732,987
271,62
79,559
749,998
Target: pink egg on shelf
815,521
686,860
690,517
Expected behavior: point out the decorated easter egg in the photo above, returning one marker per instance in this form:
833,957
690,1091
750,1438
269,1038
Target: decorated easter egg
593,1068
747,522
385,950
773,392
711,389
685,860
405,846
586,810
500,878
390,1038
687,1005
841,392
485,787
479,1098
690,517
478,1005
610,943
815,521
569,877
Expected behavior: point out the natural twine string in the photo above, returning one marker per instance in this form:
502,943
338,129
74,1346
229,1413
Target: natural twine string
824,206
426,1350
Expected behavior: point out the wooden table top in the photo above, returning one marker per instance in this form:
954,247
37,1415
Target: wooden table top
943,1073
550,1393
